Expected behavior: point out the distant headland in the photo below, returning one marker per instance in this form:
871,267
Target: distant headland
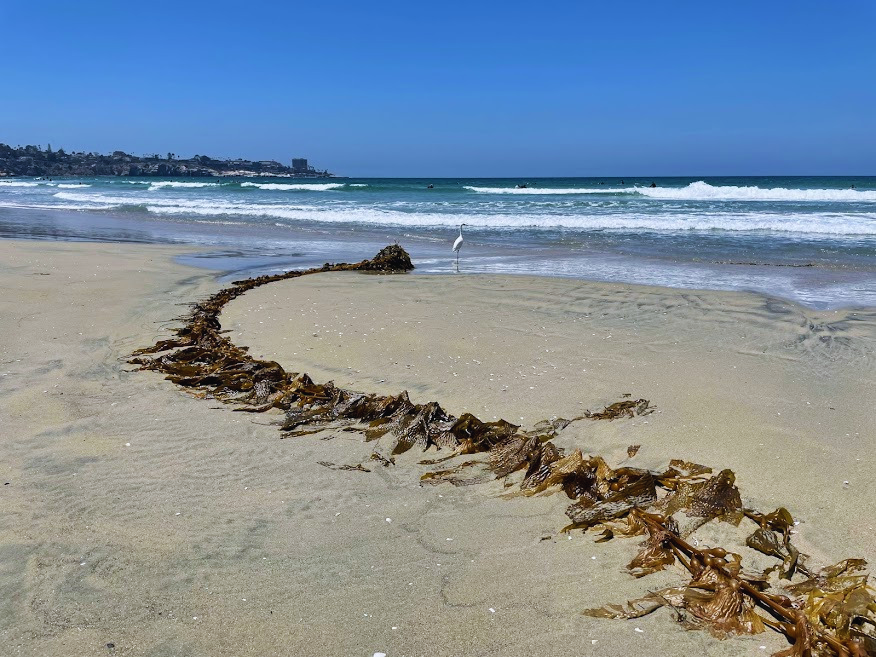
34,161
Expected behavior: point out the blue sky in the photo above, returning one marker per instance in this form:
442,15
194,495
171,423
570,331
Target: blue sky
453,88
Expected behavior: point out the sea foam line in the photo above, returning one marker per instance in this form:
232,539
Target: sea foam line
175,183
547,190
817,223
57,206
307,187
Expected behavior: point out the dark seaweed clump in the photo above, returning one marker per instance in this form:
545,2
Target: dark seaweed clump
831,611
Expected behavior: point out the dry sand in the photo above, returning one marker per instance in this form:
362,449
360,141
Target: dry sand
140,516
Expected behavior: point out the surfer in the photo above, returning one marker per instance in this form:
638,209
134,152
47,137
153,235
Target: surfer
653,185
430,186
523,186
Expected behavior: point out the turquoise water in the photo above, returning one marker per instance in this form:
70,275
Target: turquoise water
812,239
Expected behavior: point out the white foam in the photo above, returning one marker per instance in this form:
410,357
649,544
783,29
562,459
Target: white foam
810,223
175,183
50,206
825,224
16,183
179,205
67,186
98,198
703,191
358,185
308,187
547,190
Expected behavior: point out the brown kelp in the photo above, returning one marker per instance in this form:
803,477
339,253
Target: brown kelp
625,408
831,611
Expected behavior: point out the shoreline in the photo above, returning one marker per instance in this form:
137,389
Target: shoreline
334,583
204,258
840,277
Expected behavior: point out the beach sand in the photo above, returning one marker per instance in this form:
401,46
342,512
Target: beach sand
140,516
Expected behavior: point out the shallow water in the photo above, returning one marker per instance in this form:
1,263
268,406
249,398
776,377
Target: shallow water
810,239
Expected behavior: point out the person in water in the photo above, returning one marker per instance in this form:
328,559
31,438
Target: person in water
430,186
653,184
523,186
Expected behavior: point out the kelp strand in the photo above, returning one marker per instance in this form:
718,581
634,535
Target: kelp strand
828,612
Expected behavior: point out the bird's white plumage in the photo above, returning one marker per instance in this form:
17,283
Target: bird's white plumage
458,245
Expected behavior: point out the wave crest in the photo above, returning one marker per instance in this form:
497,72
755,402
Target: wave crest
815,223
303,187
703,191
820,224
546,190
175,183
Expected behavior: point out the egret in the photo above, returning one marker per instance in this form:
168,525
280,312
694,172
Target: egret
457,245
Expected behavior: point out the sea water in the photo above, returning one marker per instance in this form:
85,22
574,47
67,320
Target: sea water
810,239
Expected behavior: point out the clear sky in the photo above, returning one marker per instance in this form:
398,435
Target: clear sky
452,88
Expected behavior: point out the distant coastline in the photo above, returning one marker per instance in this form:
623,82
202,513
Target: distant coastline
33,161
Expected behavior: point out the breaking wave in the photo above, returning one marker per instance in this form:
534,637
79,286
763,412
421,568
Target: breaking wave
79,186
818,223
703,191
698,191
58,206
815,224
16,183
174,183
306,187
547,190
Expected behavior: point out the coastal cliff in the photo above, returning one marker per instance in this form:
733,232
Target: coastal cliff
34,161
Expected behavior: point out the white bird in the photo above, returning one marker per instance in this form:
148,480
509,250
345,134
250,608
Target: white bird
457,245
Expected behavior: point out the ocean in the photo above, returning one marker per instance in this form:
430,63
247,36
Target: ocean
808,239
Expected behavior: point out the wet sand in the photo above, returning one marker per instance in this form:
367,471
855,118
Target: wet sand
779,393
138,515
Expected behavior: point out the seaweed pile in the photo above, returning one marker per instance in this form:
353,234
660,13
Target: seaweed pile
828,612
